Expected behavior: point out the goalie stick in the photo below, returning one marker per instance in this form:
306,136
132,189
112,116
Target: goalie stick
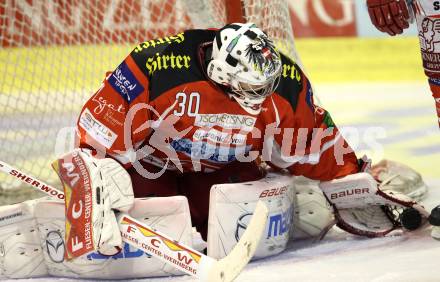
170,251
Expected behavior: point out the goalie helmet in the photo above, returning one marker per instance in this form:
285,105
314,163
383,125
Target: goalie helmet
245,61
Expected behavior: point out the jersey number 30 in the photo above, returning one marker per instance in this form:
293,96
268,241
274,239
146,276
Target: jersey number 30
191,108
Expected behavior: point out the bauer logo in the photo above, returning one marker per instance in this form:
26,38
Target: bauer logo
429,36
125,83
55,246
213,152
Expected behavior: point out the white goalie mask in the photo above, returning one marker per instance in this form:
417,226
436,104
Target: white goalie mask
245,60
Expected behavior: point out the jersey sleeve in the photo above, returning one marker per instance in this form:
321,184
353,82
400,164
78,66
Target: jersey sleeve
309,143
113,121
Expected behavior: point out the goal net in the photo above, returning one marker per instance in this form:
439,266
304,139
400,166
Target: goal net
55,53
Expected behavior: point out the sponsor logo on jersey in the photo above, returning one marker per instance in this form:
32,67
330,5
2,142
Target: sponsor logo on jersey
204,151
103,104
127,252
309,97
226,120
219,137
125,83
178,38
429,35
37,184
162,62
328,120
96,129
9,218
242,224
55,246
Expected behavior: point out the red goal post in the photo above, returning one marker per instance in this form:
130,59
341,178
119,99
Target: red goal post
54,55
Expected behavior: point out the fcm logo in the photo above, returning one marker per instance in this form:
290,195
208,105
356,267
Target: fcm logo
280,223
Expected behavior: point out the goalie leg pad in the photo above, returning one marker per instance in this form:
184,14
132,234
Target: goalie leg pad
231,207
362,208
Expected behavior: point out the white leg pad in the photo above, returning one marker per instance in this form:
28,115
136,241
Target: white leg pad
21,255
231,207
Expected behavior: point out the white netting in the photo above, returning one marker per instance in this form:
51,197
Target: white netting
274,18
55,53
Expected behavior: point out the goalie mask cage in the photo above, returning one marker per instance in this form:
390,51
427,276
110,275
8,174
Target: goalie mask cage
55,53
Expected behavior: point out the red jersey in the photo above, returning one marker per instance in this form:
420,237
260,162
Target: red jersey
160,107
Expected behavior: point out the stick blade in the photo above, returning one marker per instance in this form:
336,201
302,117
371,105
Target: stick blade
228,268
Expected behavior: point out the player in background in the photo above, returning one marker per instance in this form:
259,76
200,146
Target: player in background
185,112
394,16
